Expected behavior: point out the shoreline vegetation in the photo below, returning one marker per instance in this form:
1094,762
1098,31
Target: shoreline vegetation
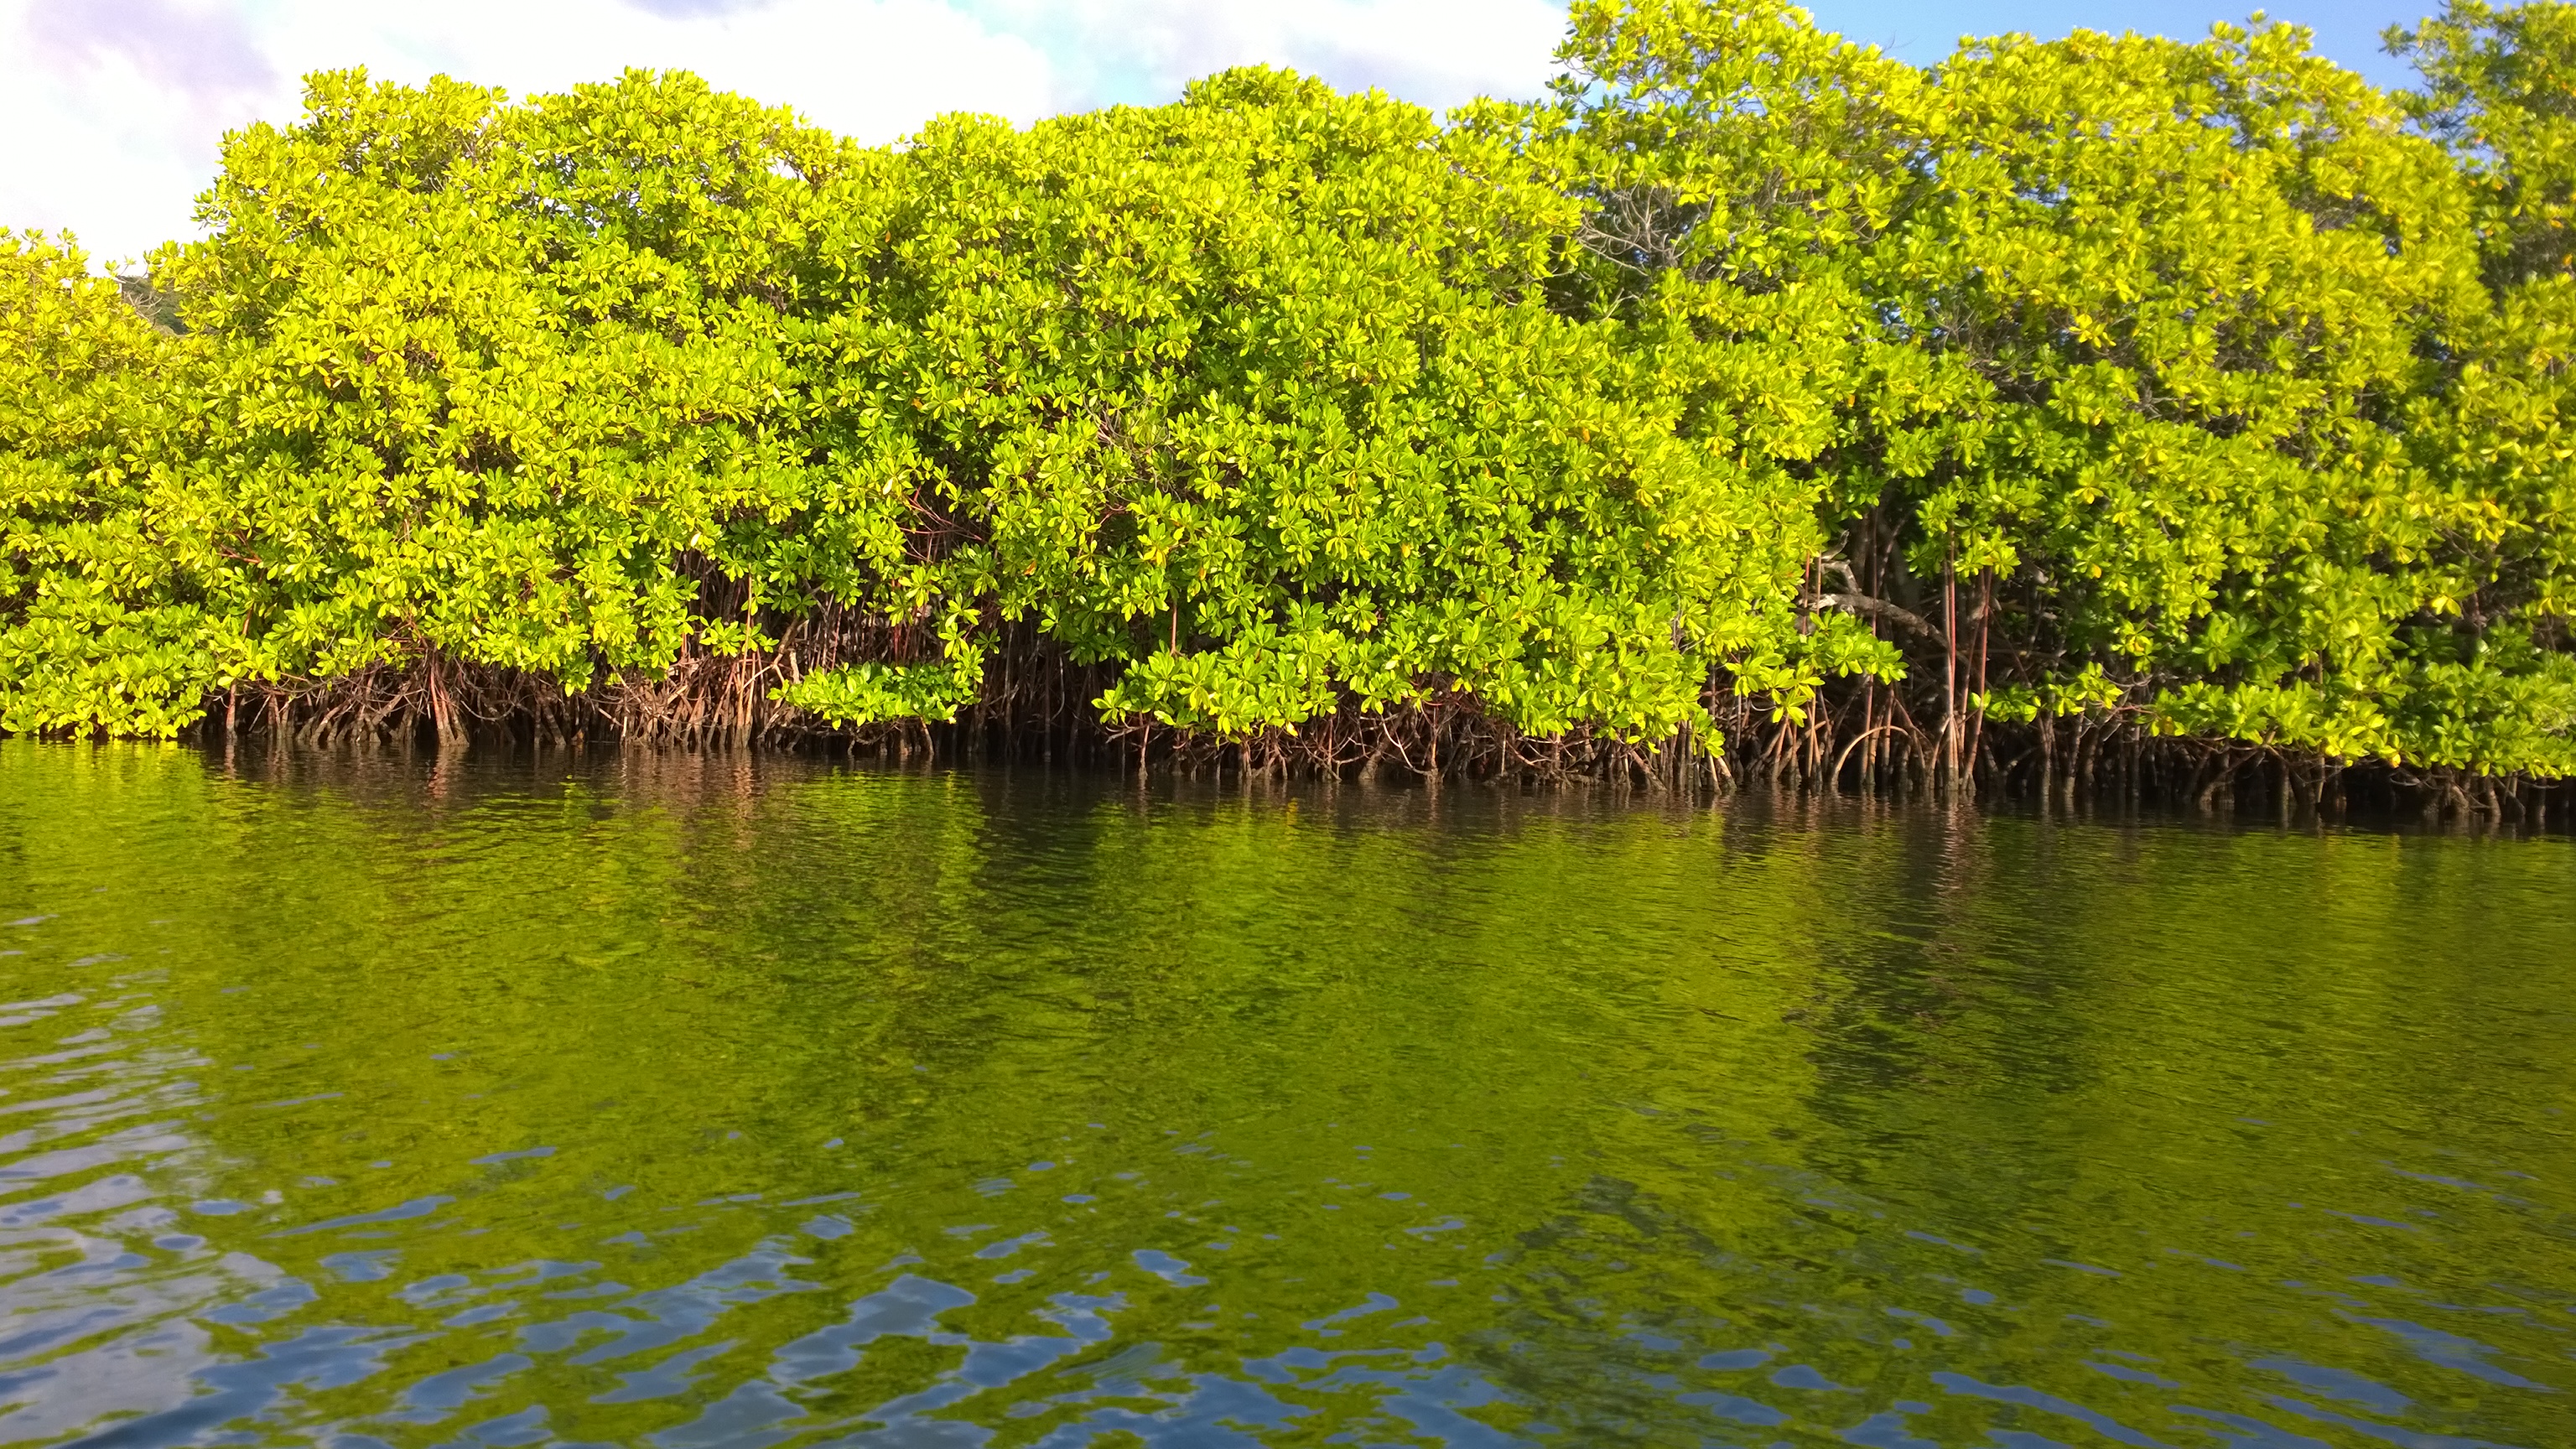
2112,414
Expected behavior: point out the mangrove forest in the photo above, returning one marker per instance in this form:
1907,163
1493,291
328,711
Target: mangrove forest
2108,412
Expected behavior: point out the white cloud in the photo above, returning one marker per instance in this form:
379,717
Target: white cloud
114,108
1435,52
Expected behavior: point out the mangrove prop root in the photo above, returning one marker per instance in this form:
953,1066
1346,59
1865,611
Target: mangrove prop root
1041,707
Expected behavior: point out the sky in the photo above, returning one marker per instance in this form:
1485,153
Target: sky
114,110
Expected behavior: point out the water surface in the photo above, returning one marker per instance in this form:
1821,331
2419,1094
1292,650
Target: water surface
650,1100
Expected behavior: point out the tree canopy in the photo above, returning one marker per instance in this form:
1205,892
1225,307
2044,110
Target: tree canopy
1750,378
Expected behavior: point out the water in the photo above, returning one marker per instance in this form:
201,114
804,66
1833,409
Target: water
667,1102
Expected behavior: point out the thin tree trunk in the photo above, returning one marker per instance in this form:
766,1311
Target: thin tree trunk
1949,673
1985,622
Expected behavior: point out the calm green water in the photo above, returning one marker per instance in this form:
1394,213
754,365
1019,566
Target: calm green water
672,1102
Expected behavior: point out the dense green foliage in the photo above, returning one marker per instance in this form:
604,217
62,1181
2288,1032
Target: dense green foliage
2184,389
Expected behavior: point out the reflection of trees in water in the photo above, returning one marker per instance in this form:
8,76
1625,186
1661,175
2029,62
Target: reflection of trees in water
1653,1087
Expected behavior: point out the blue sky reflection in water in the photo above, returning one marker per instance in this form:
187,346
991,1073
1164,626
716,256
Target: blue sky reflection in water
680,1102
